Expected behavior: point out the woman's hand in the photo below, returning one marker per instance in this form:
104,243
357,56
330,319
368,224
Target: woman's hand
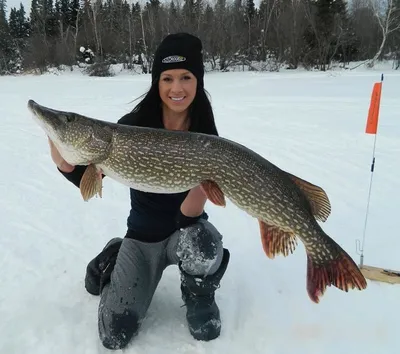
63,165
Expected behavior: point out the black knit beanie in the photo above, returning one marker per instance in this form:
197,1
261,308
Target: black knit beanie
179,51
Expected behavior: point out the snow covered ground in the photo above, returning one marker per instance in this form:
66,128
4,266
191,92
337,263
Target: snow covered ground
308,123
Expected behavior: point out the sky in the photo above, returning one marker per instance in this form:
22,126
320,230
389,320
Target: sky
310,124
16,3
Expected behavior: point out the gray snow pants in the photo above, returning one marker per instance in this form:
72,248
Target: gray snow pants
138,269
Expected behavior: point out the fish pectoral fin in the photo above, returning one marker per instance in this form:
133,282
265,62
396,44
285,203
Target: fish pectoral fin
213,192
276,241
316,196
91,183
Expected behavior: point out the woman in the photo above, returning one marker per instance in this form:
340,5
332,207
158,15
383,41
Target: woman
162,229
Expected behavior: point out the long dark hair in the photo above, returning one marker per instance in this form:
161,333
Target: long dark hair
148,112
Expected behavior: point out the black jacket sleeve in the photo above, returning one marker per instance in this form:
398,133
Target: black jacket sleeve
76,175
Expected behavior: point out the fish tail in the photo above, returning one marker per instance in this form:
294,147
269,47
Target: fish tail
334,267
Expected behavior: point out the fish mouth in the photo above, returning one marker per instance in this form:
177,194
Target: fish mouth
32,104
38,111
45,114
33,107
48,119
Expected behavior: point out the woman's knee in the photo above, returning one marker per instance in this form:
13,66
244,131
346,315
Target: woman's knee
200,248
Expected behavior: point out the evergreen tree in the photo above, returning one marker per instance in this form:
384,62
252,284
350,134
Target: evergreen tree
23,23
19,27
74,8
173,15
13,23
198,9
65,11
189,18
250,12
250,9
151,16
50,17
35,16
323,38
8,50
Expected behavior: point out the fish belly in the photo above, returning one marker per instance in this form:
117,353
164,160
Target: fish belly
146,183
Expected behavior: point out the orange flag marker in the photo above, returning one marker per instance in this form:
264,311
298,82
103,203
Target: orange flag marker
373,113
371,128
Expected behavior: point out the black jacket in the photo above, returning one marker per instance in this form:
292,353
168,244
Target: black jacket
153,217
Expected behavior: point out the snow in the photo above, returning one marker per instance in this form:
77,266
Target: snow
308,123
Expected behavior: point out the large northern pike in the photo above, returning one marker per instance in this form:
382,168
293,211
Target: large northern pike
164,161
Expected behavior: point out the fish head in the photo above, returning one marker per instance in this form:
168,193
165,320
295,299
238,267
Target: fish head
80,140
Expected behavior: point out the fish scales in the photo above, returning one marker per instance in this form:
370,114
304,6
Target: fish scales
252,189
157,161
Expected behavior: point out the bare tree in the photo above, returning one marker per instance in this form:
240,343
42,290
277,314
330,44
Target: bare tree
94,18
388,18
76,28
297,26
146,53
267,8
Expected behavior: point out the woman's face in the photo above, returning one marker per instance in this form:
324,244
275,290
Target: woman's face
177,88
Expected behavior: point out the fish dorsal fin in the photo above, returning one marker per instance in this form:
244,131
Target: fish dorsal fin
91,183
316,196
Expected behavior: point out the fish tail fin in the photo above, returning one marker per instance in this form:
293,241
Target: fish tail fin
337,269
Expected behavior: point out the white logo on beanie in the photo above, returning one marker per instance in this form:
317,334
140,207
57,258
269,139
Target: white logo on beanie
173,59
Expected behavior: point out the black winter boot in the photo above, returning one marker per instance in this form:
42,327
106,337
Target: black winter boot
198,294
98,271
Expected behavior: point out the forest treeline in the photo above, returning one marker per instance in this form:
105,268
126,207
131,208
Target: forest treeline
291,33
